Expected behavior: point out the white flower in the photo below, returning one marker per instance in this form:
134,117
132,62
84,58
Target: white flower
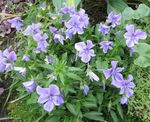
21,70
92,76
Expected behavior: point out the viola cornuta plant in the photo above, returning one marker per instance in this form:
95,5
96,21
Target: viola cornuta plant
67,70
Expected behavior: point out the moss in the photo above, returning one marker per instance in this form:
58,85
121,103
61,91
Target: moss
139,104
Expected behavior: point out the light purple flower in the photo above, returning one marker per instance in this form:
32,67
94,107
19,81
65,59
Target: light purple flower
32,29
106,45
26,58
114,19
40,37
124,100
131,51
42,46
74,25
10,55
132,36
69,34
59,38
41,41
66,10
115,71
53,30
85,50
86,89
2,62
16,23
104,29
50,97
83,18
30,86
125,87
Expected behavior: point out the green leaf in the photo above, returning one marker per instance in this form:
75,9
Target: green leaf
61,76
71,108
58,4
74,76
143,50
120,111
52,119
47,66
127,14
114,116
73,3
116,5
101,65
33,99
93,115
143,10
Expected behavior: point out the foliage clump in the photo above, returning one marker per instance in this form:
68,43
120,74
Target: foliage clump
139,104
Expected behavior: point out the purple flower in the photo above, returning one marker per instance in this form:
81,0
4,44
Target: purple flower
40,37
10,55
16,23
53,30
32,29
59,38
131,51
106,45
132,36
26,58
66,10
50,97
124,100
69,34
83,18
114,71
2,62
125,87
74,25
104,29
30,86
41,41
41,46
86,90
114,19
85,51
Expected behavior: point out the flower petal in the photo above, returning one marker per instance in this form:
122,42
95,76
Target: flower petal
49,106
80,46
54,90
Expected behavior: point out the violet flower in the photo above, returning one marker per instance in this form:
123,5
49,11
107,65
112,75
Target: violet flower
53,30
10,55
59,38
114,19
85,50
74,25
106,45
41,41
115,71
2,62
32,29
29,86
50,97
125,87
132,36
104,29
86,89
66,10
26,58
16,23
